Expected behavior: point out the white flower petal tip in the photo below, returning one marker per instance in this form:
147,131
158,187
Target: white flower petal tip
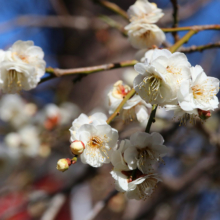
142,9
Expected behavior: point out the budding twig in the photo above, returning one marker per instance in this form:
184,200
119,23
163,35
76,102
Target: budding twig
175,19
113,7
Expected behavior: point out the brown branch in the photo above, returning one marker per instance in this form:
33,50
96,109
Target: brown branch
56,72
200,48
175,18
197,27
51,21
113,7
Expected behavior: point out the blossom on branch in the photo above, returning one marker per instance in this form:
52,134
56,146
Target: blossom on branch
21,67
142,32
199,92
160,76
142,9
98,118
145,150
130,179
99,142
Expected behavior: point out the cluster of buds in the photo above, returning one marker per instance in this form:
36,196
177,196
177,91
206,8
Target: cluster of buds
64,163
77,148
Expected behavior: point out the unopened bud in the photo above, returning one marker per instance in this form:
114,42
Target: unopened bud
204,114
63,164
77,147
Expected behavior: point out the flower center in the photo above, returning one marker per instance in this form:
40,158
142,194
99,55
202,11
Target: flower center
153,82
203,92
97,143
146,188
146,34
120,90
14,80
174,70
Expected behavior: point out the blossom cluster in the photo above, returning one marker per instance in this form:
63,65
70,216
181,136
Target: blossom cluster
142,32
168,80
162,79
133,160
21,67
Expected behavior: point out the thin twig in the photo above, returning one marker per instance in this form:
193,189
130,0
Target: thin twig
114,24
175,19
199,48
188,28
113,7
117,111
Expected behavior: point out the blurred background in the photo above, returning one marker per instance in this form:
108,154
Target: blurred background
34,125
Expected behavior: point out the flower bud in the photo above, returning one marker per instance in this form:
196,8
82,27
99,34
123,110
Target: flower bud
204,114
63,164
77,147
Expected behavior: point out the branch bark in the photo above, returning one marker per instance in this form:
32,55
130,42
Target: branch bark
175,18
56,72
200,48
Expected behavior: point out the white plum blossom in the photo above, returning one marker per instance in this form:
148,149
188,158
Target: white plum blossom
200,92
128,178
117,159
146,149
99,142
196,96
25,142
160,76
14,110
142,9
139,188
98,118
21,67
143,35
134,109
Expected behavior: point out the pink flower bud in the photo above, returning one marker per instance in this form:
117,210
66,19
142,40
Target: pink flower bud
204,114
63,164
